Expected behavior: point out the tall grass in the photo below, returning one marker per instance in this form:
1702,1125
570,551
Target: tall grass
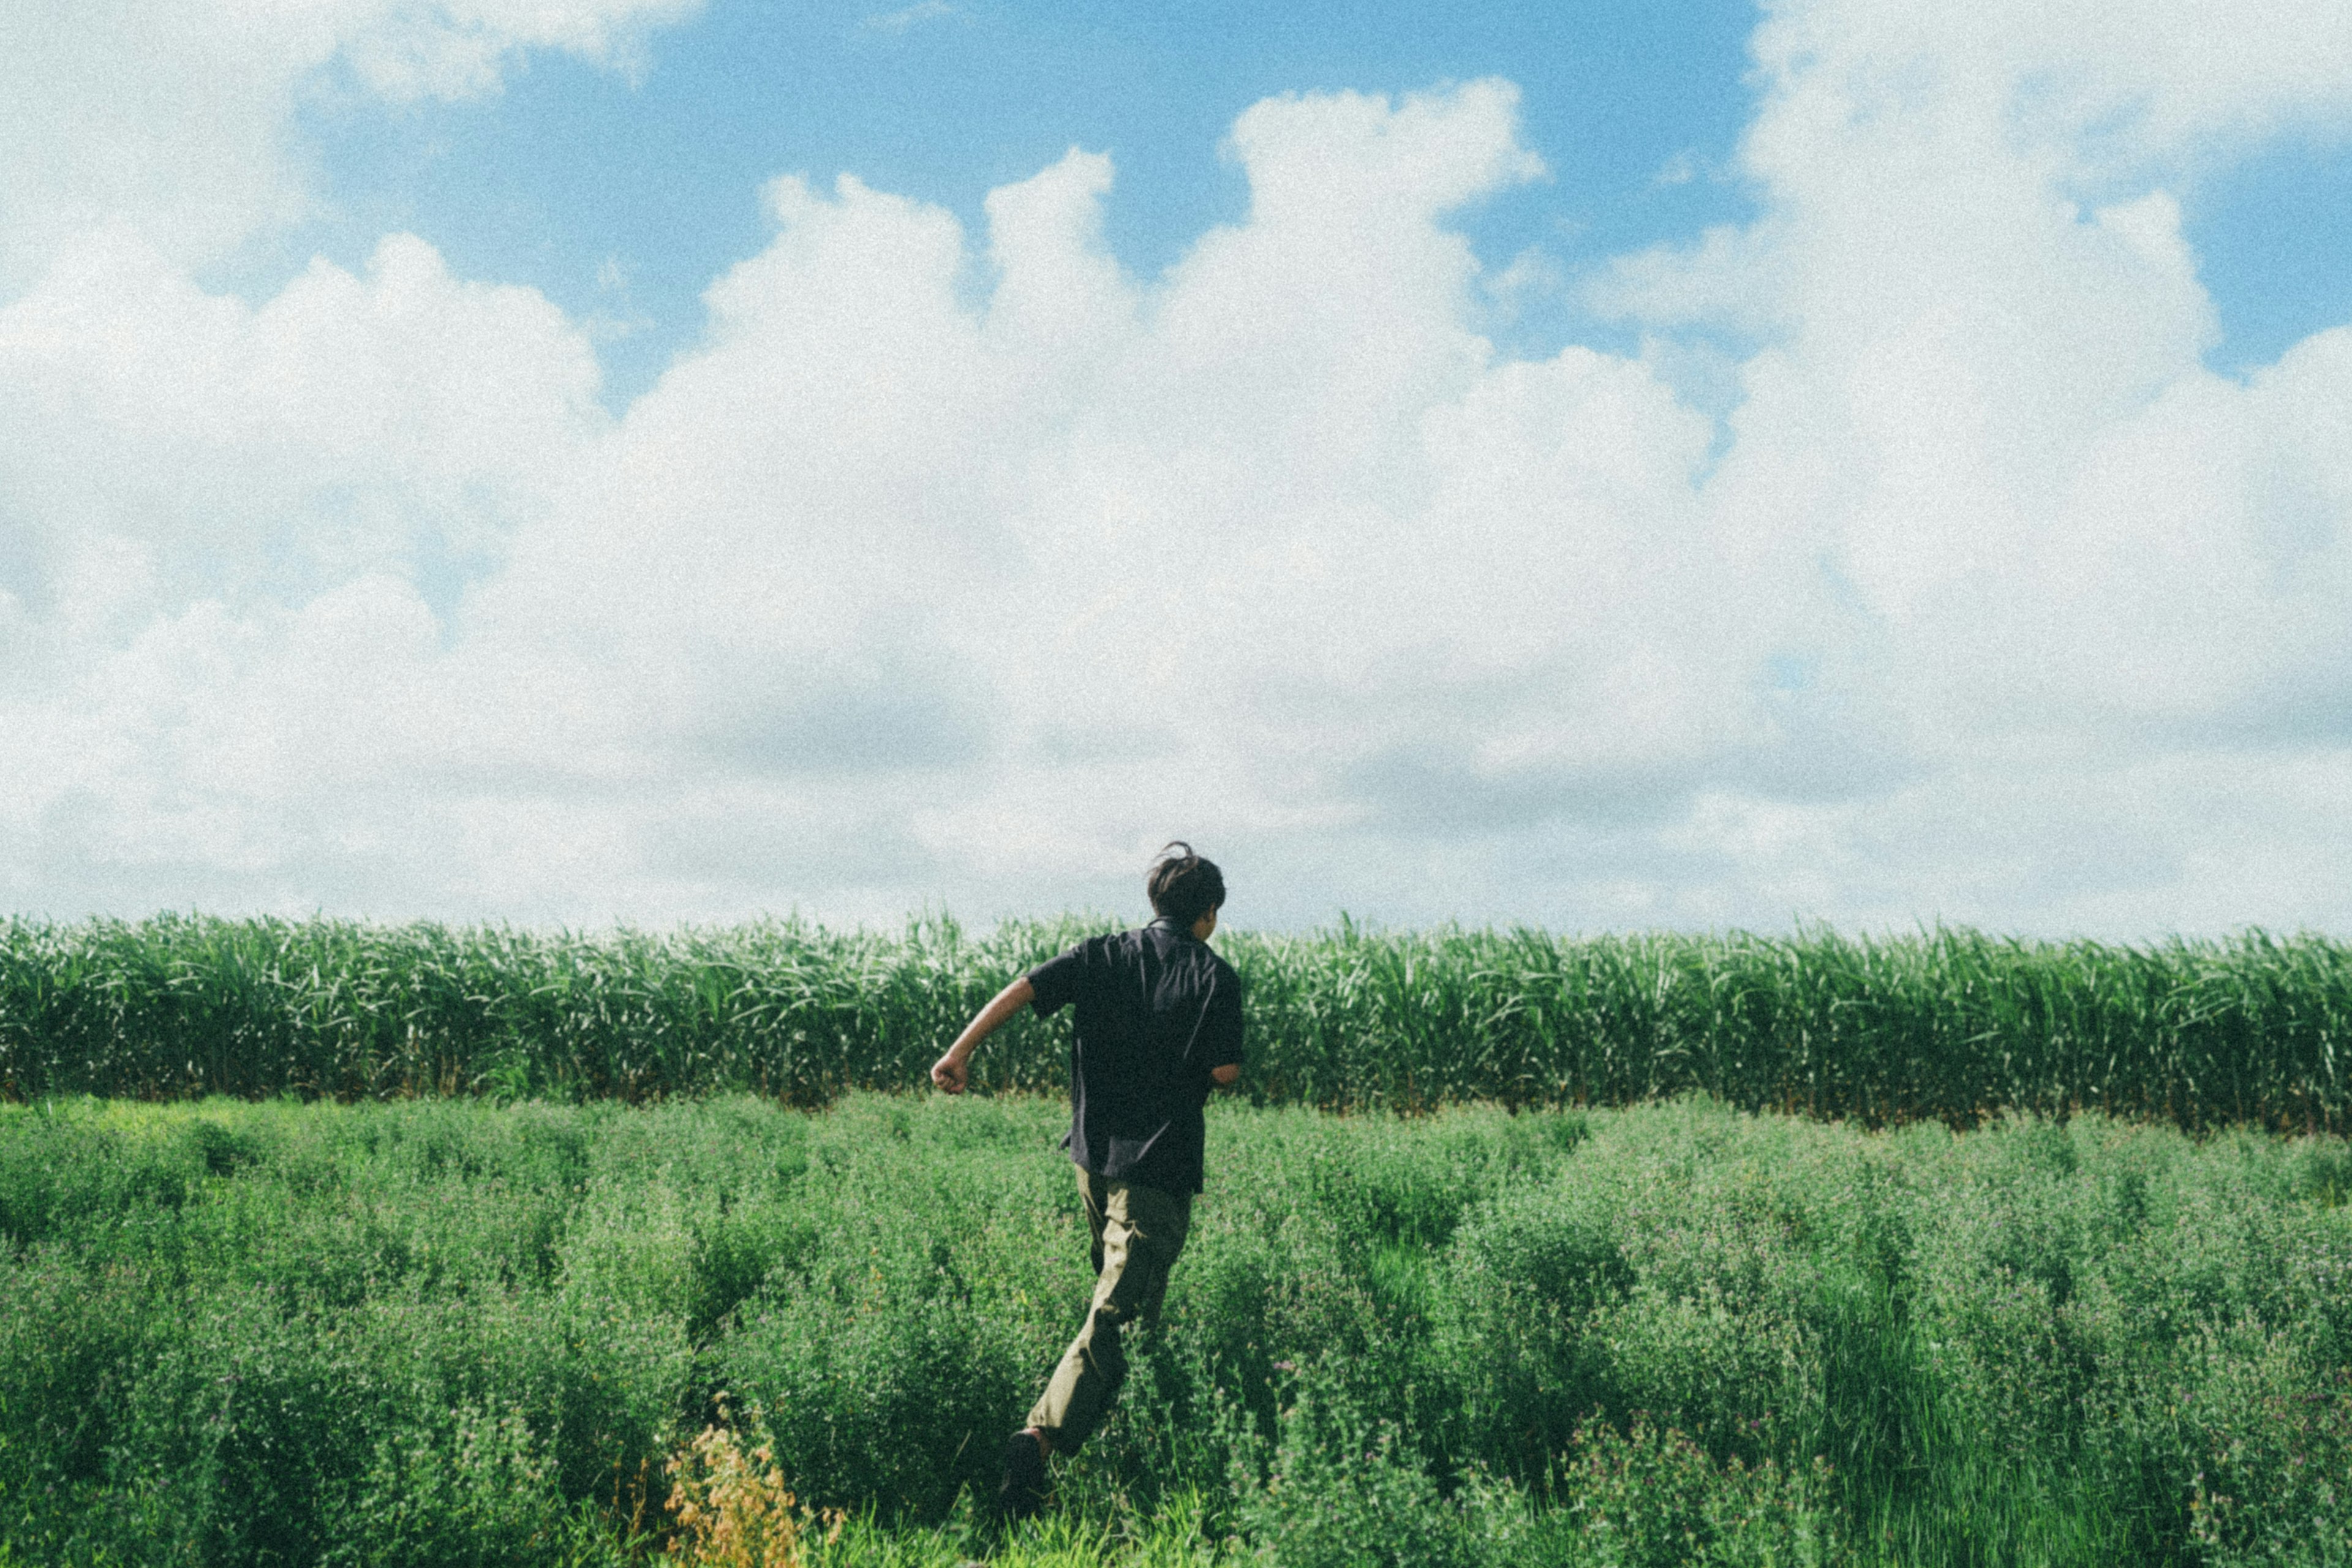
1948,1024
441,1332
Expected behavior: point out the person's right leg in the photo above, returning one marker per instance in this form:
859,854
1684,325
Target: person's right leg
1141,1231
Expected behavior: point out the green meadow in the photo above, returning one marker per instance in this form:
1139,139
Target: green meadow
462,1331
332,1243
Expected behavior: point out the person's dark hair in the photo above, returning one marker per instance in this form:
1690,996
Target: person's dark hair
1185,885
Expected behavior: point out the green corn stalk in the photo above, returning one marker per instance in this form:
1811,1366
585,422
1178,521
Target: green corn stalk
1945,1023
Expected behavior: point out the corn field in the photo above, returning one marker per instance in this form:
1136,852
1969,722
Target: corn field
1947,1023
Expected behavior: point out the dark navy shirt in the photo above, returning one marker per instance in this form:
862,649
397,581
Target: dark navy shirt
1155,1011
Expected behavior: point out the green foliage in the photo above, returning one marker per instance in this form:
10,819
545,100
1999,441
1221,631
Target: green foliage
1948,1024
2279,1487
188,1004
445,1331
1340,1491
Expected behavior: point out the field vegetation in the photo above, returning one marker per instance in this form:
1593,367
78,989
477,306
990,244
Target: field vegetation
452,1331
1948,1024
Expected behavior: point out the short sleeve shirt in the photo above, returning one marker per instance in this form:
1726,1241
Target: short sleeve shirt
1157,1010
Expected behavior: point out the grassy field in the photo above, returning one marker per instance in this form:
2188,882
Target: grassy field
448,1332
1947,1024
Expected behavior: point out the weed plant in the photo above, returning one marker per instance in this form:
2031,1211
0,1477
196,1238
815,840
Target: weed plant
1948,1024
441,1331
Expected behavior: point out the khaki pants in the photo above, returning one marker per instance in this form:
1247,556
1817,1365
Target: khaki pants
1138,1232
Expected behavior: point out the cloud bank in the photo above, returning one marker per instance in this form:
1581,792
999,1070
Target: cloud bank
1916,568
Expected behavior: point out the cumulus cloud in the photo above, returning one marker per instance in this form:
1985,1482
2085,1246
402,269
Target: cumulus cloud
175,117
967,567
2046,534
1987,405
227,531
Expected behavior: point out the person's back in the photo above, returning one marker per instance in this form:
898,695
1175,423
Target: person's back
1158,1027
1157,1009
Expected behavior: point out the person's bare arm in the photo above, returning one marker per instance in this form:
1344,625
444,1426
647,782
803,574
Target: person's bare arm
949,1071
1227,1075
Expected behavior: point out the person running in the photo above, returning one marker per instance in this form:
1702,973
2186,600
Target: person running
1159,1026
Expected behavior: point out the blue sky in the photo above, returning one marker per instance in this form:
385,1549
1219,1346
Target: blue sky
1635,108
1609,467
2274,232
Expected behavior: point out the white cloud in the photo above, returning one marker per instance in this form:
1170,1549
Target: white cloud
970,570
174,116
1986,407
348,423
906,17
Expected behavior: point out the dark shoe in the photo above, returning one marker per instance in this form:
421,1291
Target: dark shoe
1022,1492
